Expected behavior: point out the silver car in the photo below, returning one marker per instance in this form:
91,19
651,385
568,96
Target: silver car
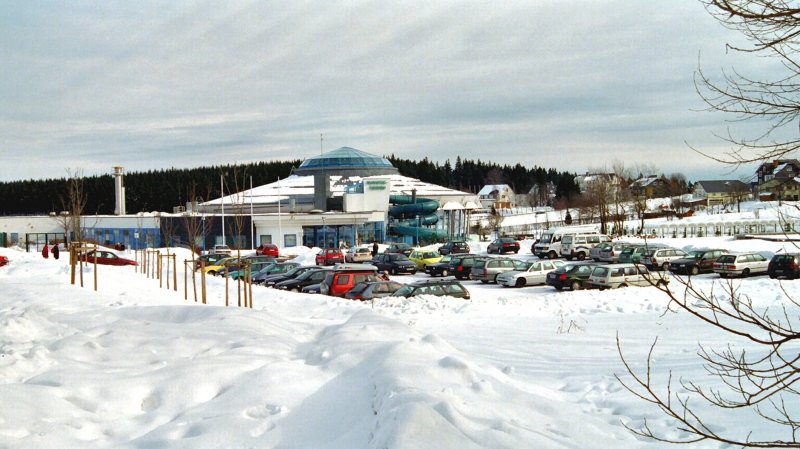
659,258
535,274
487,270
611,255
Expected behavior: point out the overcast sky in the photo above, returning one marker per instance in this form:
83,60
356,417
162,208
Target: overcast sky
567,84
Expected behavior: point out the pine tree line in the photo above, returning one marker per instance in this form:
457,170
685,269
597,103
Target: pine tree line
161,190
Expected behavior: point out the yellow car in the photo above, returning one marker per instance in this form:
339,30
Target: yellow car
221,265
424,257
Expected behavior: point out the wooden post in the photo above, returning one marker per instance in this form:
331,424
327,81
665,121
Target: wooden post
250,285
185,280
72,262
175,272
158,272
202,281
226,291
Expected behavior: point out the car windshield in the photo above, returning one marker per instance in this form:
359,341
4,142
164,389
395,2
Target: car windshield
445,259
397,257
306,275
546,238
403,291
600,271
695,255
726,259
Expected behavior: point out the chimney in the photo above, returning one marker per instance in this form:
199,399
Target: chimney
119,192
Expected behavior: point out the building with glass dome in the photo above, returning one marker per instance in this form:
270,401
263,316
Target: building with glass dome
344,197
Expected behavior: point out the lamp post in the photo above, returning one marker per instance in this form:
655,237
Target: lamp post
419,222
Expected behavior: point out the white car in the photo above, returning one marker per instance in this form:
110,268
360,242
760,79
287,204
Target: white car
534,275
741,265
624,275
358,254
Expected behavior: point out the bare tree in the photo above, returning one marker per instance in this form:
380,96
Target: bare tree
762,379
772,28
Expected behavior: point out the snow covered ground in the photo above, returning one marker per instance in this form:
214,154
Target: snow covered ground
136,366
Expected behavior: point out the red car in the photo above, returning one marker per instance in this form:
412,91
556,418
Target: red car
3,261
267,249
106,258
330,256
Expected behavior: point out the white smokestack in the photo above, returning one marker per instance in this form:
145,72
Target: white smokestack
119,192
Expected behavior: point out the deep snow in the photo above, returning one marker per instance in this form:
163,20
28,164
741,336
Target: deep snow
136,366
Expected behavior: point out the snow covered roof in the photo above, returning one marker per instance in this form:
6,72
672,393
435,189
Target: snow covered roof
489,188
295,185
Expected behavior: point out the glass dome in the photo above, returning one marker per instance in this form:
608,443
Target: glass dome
346,161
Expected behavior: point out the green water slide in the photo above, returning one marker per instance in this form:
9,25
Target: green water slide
412,215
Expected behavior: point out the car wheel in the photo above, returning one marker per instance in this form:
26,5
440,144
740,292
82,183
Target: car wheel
520,282
484,281
622,285
552,254
393,271
772,276
746,272
558,287
581,256
694,271
665,266
212,273
495,278
575,285
445,273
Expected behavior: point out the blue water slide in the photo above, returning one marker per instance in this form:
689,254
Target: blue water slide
405,211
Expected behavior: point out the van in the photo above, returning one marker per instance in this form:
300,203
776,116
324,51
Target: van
344,276
578,246
549,244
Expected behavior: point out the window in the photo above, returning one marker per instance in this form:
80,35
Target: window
289,240
267,238
343,279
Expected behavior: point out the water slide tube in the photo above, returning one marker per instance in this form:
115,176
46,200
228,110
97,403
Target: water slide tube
405,212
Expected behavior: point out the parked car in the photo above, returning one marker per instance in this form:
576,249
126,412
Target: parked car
633,253
624,275
742,265
461,266
270,269
486,270
441,268
424,257
365,291
400,248
578,246
272,279
784,266
696,262
394,263
454,247
267,249
3,261
255,268
659,258
594,253
220,265
308,278
209,259
575,277
503,245
220,249
106,258
329,256
611,255
239,262
344,277
435,287
358,254
313,288
534,274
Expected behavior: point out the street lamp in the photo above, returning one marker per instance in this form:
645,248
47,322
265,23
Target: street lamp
418,225
324,233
